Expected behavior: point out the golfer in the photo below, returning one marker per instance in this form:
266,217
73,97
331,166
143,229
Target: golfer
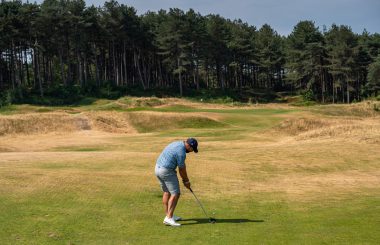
173,156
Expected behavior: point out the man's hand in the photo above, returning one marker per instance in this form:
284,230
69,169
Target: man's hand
187,184
185,179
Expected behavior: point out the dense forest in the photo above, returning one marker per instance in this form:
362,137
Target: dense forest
63,49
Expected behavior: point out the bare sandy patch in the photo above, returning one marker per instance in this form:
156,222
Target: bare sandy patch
113,122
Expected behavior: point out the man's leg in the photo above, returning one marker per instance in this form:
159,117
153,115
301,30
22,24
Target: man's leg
172,204
165,201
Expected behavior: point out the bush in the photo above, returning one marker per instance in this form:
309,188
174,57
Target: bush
54,96
222,100
303,103
6,97
64,92
308,95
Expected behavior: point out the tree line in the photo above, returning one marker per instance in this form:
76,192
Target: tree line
58,44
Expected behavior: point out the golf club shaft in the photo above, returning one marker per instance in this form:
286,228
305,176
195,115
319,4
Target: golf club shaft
200,204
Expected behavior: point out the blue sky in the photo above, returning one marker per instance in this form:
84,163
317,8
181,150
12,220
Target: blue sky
281,15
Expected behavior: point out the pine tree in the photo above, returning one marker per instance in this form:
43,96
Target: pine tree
270,56
174,46
341,43
306,56
373,84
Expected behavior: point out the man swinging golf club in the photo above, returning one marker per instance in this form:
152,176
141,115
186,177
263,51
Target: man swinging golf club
173,156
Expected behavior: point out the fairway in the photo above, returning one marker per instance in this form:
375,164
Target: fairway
269,174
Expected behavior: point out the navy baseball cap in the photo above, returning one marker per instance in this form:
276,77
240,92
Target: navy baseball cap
193,143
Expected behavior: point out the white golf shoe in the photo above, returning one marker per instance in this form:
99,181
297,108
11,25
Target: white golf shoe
176,218
171,222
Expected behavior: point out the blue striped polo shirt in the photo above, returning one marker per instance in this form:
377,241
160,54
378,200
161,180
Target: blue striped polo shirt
172,156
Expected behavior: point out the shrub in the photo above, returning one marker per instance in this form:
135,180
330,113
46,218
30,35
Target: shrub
6,97
308,95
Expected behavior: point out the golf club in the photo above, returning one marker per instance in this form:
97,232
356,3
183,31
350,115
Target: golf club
211,220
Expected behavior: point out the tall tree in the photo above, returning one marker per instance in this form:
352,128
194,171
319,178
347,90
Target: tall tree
341,43
373,84
241,49
306,57
269,56
174,45
218,53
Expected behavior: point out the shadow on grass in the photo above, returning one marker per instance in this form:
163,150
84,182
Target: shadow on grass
206,221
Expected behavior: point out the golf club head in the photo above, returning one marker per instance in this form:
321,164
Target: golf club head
212,220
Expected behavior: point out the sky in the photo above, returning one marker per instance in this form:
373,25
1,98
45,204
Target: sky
281,15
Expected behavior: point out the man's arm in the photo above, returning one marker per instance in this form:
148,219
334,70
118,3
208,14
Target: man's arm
185,179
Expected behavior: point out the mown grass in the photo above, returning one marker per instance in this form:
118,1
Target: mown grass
116,217
182,108
261,186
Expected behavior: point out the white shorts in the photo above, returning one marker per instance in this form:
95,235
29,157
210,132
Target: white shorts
168,180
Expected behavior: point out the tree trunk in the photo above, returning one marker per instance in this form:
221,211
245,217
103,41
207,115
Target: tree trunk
51,76
68,76
241,80
323,88
114,65
197,75
144,74
1,69
34,67
125,65
149,71
43,68
37,70
105,66
85,68
333,87
60,53
161,82
180,78
80,70
12,68
137,65
21,65
96,68
27,66
207,78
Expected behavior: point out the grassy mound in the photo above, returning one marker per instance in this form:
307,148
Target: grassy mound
106,121
151,122
42,123
363,109
334,128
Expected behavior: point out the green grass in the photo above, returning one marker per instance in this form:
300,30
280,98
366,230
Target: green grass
181,108
78,217
156,123
8,110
